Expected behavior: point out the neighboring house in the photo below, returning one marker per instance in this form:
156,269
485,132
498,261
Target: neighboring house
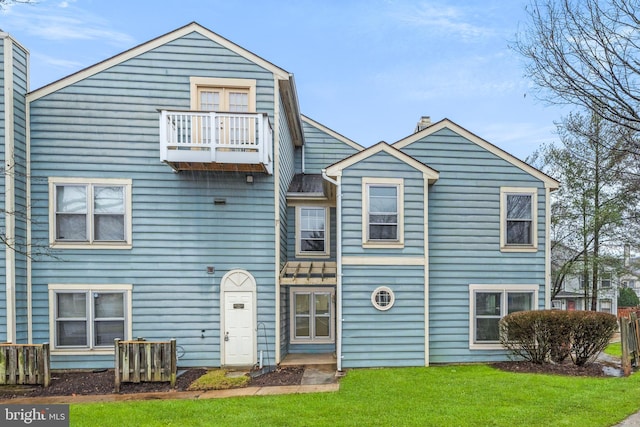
181,193
571,295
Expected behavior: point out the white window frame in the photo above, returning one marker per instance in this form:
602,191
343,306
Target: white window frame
606,276
374,298
90,184
368,182
54,289
292,317
525,191
505,290
603,303
327,225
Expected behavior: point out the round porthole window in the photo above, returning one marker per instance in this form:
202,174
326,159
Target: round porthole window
382,298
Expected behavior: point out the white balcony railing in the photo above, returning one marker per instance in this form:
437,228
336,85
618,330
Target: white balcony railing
214,137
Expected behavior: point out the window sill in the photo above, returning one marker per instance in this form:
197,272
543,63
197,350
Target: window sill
383,245
332,341
117,245
80,352
312,255
491,346
519,249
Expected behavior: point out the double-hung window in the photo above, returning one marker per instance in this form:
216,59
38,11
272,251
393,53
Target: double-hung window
489,304
89,317
382,212
518,228
90,212
312,237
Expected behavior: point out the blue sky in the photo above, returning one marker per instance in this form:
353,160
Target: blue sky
367,69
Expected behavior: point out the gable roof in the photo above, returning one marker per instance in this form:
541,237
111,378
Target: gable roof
335,169
152,44
287,87
446,123
331,132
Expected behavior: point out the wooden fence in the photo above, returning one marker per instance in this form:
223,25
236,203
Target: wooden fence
24,364
145,361
630,342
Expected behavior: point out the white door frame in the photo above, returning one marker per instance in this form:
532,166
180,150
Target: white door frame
237,280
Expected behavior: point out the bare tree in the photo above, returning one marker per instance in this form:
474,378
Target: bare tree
586,53
594,211
5,3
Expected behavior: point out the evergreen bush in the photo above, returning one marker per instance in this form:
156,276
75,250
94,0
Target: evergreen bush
628,298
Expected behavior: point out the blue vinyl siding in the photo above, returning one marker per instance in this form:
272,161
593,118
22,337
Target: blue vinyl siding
372,337
107,126
20,88
383,338
382,165
287,170
464,238
320,150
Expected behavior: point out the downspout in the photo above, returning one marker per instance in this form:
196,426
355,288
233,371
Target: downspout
338,266
303,166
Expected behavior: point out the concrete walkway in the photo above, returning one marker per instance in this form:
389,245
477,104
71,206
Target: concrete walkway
316,379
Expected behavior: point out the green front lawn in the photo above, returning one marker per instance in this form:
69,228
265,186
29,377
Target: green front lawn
469,395
614,349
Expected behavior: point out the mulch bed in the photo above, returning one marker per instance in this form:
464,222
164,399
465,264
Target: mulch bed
102,382
566,368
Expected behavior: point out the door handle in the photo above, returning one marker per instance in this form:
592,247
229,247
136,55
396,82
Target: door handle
226,336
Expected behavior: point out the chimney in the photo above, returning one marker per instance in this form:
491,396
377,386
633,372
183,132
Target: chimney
425,122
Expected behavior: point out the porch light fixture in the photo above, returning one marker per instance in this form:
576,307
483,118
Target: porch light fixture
249,179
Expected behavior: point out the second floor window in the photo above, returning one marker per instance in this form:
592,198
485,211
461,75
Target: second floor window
90,213
518,219
312,231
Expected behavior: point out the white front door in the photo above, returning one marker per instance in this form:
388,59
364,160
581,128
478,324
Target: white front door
239,329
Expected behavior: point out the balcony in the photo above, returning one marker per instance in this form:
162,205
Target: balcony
215,141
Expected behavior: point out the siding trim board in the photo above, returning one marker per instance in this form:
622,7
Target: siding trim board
9,188
431,174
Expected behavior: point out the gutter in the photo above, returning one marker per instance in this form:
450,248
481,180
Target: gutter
338,266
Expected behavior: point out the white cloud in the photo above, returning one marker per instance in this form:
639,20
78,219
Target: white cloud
62,22
442,19
64,28
58,62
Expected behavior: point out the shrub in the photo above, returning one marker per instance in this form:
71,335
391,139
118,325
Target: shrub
591,334
525,334
537,335
540,335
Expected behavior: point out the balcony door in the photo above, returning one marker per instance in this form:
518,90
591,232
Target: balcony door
229,130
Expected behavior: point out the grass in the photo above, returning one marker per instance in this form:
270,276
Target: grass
217,379
461,395
614,349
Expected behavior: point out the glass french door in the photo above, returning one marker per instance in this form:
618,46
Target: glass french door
312,316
